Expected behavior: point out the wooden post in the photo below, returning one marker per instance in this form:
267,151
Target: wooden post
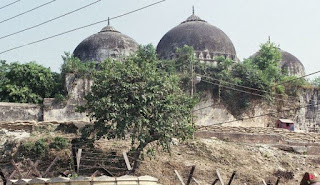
195,181
278,180
50,166
4,180
232,176
215,181
127,161
78,155
179,177
33,168
104,170
191,174
95,173
264,182
219,176
16,168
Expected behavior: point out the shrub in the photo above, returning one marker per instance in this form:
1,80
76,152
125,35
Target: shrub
38,148
59,143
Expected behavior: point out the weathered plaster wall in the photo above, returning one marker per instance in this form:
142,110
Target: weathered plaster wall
19,111
304,111
77,88
210,112
307,116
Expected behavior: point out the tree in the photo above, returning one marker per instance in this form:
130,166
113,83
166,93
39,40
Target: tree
72,64
137,98
27,83
316,81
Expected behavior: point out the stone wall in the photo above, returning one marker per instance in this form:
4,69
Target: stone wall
102,180
210,112
303,110
19,111
77,88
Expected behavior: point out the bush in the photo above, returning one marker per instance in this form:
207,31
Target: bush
59,143
38,148
28,82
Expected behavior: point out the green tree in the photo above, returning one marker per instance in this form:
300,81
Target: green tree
135,97
316,81
268,55
27,83
72,64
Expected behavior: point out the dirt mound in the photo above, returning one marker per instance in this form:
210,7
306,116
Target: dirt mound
252,163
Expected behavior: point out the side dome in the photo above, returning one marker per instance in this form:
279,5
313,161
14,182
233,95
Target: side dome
207,40
289,63
292,64
108,43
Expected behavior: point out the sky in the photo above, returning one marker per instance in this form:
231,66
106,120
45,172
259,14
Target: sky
292,24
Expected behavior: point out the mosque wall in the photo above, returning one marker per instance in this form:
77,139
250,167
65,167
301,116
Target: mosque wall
19,111
304,111
76,88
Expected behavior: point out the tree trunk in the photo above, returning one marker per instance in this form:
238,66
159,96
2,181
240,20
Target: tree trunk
136,155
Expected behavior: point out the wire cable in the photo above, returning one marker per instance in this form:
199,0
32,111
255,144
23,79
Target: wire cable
297,78
28,11
246,87
79,28
50,20
243,91
9,4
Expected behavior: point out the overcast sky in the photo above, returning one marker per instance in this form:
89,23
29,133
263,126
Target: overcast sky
293,24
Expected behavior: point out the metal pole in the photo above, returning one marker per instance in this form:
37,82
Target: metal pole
191,174
232,176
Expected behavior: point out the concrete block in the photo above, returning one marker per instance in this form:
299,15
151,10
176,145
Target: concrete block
104,180
81,181
59,181
127,180
147,180
38,181
11,181
22,181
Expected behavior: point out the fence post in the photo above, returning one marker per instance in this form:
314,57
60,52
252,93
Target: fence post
195,181
278,180
16,168
215,181
50,166
264,182
191,174
3,177
179,177
219,176
78,156
33,168
232,176
127,161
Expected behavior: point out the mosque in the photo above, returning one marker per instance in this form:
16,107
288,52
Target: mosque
207,41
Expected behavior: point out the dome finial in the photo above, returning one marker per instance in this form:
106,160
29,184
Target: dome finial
108,21
192,10
269,39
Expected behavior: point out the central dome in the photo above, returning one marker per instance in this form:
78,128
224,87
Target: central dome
108,43
207,40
